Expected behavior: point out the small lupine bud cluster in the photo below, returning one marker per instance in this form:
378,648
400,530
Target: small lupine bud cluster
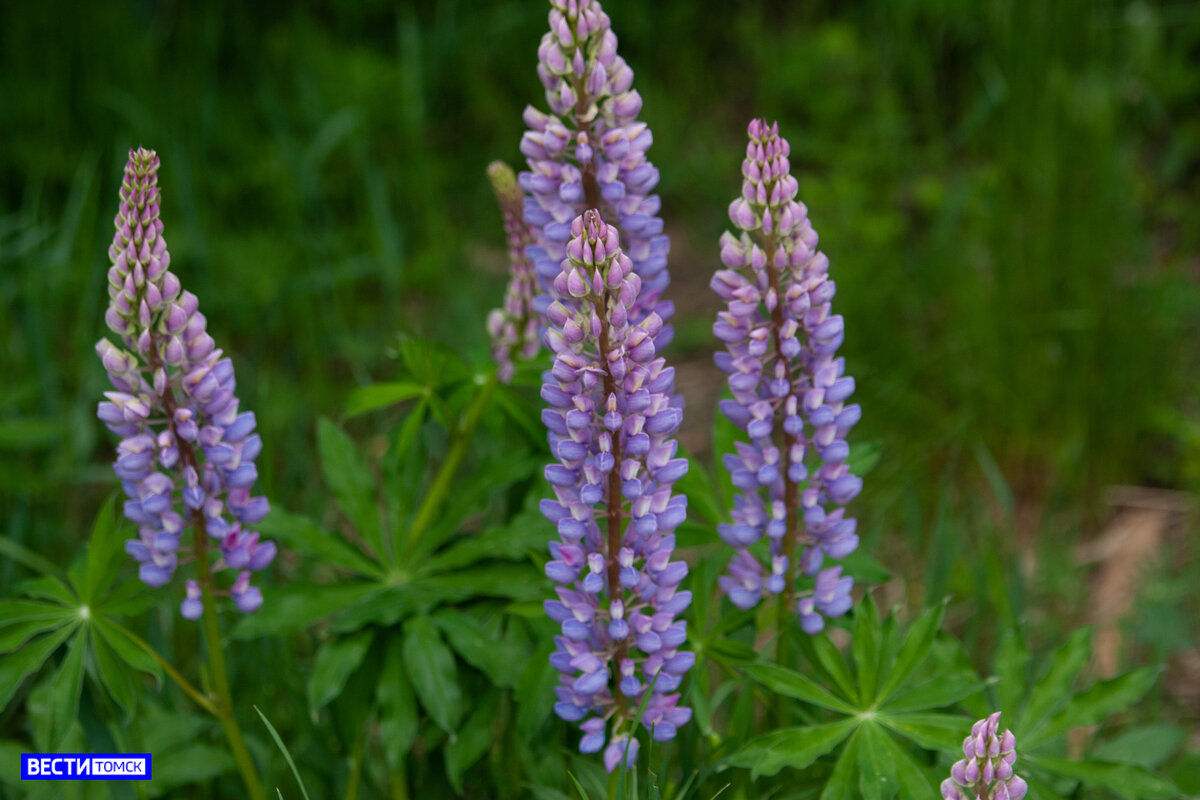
986,770
611,420
590,152
514,327
789,394
187,452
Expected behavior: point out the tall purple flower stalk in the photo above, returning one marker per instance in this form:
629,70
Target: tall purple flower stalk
986,770
611,419
186,455
789,396
514,326
590,152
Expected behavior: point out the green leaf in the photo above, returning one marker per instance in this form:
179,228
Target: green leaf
386,605
195,763
534,692
1149,746
381,395
877,773
283,749
105,552
23,555
793,684
1126,780
67,684
792,747
480,645
398,715
14,611
865,569
1092,706
916,646
527,531
304,536
129,650
865,645
351,481
13,636
472,740
508,581
432,363
730,652
336,661
130,598
938,692
1053,691
931,731
433,672
843,783
118,681
48,587
831,660
296,606
1012,673
911,779
16,667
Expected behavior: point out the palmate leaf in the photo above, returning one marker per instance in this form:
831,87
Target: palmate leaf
931,731
296,606
793,684
302,535
866,646
105,552
472,740
336,661
938,692
382,395
481,646
14,668
351,481
1126,780
433,672
877,770
843,781
792,747
1052,692
1097,702
917,642
397,706
910,778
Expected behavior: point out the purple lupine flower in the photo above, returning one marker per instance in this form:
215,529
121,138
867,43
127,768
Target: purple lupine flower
186,455
514,327
590,152
789,395
986,770
611,419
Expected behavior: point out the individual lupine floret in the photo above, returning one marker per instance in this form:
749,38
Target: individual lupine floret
590,152
514,327
187,452
986,770
789,395
611,422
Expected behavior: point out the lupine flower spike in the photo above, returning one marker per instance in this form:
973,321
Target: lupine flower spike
789,395
611,421
514,327
590,152
986,770
186,456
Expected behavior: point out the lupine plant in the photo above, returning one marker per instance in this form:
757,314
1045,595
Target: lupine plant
517,584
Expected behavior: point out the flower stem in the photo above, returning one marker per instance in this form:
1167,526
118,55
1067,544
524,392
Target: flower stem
216,665
459,440
183,683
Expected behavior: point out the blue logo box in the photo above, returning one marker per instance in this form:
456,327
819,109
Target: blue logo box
85,766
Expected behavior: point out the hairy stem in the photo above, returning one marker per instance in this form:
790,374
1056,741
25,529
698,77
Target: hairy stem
191,691
223,708
459,441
